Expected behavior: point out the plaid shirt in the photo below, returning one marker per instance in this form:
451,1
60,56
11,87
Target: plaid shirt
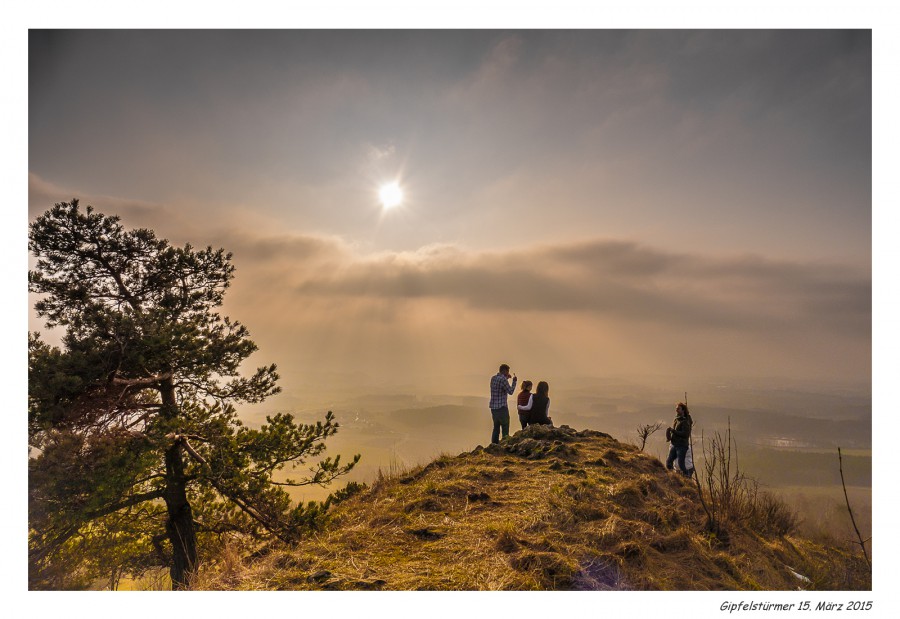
500,390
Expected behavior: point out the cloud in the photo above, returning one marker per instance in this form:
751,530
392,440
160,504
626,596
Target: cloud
614,279
619,280
377,153
43,194
500,61
595,306
280,251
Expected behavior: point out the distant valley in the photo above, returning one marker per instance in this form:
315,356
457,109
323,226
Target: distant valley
785,437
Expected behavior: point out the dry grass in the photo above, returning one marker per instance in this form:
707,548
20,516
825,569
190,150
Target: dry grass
549,508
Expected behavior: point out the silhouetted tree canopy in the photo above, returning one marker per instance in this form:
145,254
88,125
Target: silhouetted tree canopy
141,459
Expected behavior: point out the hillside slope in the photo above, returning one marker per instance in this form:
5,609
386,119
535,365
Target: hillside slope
548,508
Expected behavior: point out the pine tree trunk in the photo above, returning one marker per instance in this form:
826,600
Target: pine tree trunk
180,523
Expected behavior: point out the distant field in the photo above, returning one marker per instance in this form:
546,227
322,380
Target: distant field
787,440
781,468
863,453
823,511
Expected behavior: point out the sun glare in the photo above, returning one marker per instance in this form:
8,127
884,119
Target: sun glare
391,195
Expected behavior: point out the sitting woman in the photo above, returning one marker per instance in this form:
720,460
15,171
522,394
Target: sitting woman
538,407
523,400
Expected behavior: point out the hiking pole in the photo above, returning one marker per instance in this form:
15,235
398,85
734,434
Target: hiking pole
687,411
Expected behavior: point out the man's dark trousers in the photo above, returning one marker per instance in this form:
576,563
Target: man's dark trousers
680,452
501,422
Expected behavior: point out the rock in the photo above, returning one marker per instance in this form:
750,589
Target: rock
425,505
426,534
320,576
600,574
367,585
592,433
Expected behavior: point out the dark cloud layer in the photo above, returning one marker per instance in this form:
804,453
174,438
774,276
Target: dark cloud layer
618,279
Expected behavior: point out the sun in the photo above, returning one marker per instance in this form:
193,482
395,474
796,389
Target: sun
390,195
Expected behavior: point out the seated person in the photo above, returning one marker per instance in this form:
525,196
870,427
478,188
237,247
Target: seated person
538,407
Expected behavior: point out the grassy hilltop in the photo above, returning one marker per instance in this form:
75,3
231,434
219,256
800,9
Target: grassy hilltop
548,508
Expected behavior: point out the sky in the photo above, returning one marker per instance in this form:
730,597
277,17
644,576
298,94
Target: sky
690,204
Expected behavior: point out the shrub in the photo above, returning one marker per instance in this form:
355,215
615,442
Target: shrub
730,497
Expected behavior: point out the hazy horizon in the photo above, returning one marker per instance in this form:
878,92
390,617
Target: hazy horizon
786,436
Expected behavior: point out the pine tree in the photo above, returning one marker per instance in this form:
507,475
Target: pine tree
139,448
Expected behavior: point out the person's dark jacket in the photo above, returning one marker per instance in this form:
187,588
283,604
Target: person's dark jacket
681,430
538,412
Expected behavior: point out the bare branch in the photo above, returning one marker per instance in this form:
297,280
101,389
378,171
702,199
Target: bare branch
862,544
193,453
644,432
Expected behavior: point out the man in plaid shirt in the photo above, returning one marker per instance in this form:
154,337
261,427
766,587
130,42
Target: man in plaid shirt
500,390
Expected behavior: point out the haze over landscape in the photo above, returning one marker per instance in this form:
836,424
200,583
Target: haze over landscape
629,215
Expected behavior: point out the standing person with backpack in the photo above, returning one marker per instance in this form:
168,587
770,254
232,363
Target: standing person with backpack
500,390
680,437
